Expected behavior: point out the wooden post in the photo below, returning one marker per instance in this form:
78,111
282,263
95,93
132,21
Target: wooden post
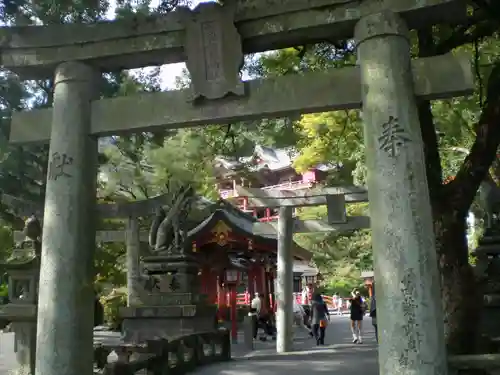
221,299
259,278
204,280
234,314
251,281
265,290
212,287
272,292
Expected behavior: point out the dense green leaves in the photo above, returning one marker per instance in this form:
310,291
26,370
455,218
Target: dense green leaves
340,256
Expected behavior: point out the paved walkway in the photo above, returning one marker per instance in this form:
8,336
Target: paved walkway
339,355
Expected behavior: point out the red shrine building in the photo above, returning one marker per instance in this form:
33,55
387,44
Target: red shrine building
235,263
269,169
235,260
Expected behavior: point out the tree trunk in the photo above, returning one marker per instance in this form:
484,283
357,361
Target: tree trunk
461,297
451,202
462,300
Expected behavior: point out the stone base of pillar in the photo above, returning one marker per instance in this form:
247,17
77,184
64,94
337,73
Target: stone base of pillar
171,304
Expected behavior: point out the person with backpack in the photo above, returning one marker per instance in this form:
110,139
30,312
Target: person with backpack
319,318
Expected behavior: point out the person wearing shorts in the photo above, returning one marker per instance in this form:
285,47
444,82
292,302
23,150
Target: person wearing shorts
357,312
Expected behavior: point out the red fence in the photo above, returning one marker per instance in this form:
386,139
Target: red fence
245,299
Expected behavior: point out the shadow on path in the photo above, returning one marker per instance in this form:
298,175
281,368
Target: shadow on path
341,356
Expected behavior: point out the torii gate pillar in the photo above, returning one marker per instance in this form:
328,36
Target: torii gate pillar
410,316
65,304
284,291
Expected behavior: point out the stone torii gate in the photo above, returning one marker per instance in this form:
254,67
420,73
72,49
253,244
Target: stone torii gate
385,84
335,199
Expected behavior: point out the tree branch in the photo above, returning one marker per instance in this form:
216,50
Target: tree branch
483,152
430,139
474,29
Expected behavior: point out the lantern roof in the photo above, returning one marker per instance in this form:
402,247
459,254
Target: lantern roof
20,262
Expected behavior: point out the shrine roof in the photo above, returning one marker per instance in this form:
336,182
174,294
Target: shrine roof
241,224
305,269
263,157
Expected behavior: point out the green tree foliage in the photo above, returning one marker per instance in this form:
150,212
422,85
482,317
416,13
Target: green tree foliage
22,168
339,256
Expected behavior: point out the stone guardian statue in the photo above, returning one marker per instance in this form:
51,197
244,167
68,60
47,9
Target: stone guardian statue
166,236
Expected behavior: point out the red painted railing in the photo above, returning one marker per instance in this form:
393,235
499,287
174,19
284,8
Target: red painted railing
245,299
293,185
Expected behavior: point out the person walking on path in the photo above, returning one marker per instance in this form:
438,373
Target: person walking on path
319,318
305,295
373,312
301,317
254,313
357,312
339,306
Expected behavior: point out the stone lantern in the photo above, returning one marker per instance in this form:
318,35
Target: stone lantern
23,269
487,271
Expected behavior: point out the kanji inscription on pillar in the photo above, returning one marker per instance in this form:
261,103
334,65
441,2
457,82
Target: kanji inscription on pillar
213,49
59,164
393,137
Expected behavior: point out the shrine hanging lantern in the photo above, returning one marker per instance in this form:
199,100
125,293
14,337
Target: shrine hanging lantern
231,277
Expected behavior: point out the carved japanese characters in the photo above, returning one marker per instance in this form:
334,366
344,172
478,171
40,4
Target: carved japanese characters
393,137
213,49
59,165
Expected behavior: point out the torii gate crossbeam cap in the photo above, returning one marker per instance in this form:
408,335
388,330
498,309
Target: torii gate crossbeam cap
434,78
35,51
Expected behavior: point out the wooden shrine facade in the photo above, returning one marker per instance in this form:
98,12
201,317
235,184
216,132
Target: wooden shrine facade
225,241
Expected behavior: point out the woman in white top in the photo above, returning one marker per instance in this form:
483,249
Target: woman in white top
256,304
305,295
